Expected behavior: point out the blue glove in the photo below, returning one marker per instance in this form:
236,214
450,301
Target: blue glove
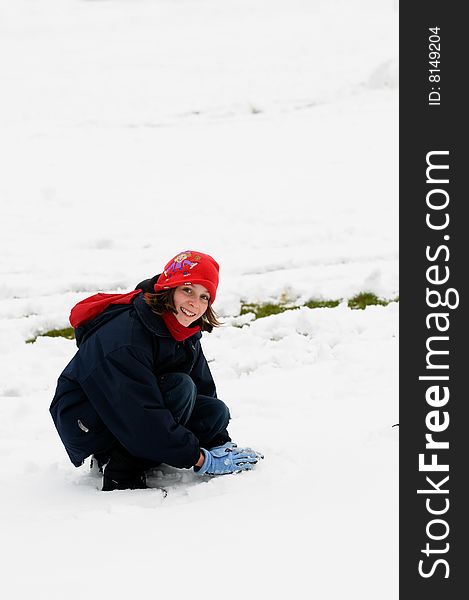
232,447
226,459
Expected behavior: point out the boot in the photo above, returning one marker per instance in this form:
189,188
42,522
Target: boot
123,472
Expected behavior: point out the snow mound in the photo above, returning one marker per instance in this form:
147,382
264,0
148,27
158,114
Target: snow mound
385,76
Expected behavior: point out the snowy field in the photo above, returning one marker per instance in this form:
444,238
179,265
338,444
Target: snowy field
263,132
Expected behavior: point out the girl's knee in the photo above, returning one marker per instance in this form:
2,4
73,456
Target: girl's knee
180,383
179,394
185,381
223,413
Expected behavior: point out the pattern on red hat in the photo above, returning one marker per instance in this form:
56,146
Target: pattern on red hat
187,268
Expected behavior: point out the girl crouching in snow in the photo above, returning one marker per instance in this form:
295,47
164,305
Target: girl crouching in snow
139,391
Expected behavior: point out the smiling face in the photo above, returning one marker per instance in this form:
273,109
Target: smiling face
191,301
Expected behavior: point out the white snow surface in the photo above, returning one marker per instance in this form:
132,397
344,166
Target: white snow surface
263,132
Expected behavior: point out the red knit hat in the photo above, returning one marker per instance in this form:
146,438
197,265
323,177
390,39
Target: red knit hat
190,267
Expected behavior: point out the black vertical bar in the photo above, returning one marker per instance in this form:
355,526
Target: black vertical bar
434,119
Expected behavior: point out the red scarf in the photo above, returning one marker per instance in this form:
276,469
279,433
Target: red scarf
178,331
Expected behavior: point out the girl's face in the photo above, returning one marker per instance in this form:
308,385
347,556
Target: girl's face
191,301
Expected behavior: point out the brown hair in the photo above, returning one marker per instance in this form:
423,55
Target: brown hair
164,302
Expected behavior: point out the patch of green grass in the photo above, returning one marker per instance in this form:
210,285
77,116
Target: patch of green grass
360,301
322,303
67,332
264,310
364,299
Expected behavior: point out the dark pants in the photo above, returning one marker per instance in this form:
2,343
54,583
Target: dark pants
205,416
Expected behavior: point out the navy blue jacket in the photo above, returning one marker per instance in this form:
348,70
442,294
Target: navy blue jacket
110,387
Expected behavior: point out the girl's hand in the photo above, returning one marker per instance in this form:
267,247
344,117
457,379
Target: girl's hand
221,463
232,447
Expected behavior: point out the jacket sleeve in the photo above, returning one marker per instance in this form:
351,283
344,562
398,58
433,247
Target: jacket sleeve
124,392
202,376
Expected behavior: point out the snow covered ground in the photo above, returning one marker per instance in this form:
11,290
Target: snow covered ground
263,132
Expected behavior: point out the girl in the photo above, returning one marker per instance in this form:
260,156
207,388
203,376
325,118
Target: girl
139,391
